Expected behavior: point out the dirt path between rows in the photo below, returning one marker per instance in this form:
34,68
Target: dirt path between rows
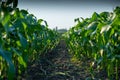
57,65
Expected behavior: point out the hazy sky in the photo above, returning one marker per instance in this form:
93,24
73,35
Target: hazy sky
61,13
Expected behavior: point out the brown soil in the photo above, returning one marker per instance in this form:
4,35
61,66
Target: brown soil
57,65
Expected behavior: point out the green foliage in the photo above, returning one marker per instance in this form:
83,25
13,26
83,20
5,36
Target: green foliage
98,38
8,5
22,38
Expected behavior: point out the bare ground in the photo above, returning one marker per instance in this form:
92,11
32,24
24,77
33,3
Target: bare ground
58,65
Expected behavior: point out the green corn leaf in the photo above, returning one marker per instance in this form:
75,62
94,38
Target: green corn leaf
11,70
40,21
9,2
18,53
117,56
15,3
92,26
99,60
23,41
24,11
95,17
5,19
24,25
20,58
105,28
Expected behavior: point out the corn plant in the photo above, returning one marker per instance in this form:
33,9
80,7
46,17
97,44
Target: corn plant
22,38
98,38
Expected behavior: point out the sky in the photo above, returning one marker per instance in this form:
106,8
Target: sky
61,13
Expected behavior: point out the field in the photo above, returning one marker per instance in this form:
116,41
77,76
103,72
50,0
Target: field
29,50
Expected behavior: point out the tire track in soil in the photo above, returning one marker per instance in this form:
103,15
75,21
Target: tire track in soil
57,65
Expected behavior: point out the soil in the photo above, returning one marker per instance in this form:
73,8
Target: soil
59,65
